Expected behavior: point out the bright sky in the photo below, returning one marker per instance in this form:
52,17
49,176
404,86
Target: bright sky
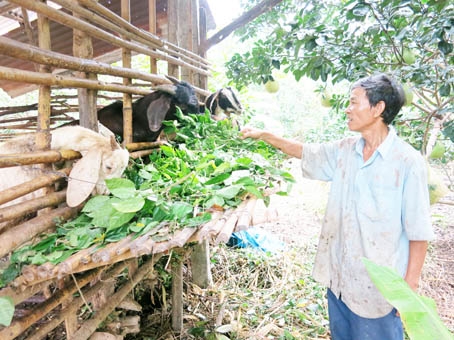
224,12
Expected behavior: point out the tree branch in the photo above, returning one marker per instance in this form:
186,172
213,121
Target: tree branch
247,17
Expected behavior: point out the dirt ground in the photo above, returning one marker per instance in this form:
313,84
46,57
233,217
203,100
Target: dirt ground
301,213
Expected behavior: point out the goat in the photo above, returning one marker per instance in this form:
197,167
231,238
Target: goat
150,111
102,158
223,103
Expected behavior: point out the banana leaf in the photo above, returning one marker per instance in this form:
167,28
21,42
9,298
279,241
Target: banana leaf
418,313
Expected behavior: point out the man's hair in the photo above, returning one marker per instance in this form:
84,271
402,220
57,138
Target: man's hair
381,87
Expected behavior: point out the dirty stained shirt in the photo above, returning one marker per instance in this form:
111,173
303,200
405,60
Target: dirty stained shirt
374,208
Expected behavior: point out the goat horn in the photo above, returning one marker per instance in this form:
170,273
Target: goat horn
167,88
173,79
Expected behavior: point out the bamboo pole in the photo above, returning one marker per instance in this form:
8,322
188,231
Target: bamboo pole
16,49
43,122
68,20
141,153
245,215
152,29
203,230
32,185
72,308
89,326
18,235
230,224
19,296
178,240
27,207
143,145
7,73
36,157
126,59
17,327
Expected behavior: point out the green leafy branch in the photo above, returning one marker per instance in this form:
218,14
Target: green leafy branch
206,166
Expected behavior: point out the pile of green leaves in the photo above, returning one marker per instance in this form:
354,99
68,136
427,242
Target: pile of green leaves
207,166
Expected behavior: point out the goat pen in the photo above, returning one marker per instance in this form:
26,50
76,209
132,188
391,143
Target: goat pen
69,45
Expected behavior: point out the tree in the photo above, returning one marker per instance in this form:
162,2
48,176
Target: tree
344,40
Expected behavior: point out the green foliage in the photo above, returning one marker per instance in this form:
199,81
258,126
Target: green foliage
418,313
333,41
207,165
6,310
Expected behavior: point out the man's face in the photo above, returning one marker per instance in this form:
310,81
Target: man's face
360,114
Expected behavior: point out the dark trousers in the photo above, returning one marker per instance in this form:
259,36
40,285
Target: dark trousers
346,325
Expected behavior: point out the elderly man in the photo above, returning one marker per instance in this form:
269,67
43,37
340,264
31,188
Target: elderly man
378,208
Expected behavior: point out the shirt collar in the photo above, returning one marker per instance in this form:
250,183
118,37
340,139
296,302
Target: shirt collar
384,148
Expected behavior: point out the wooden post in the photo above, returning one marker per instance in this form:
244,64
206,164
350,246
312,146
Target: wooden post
43,133
83,48
172,19
200,257
177,295
202,81
152,29
127,98
200,264
185,19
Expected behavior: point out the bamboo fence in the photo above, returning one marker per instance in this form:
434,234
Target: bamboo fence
63,289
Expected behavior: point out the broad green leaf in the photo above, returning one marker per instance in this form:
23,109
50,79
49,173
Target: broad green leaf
101,216
118,219
245,181
6,310
218,179
198,220
214,200
121,187
254,191
244,161
95,204
223,167
181,209
229,192
418,313
129,205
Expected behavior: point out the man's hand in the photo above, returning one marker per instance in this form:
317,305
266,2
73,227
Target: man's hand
249,132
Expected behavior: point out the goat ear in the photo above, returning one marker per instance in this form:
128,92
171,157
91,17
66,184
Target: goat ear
157,111
113,143
83,178
210,101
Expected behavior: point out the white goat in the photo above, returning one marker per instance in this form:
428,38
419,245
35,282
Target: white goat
102,158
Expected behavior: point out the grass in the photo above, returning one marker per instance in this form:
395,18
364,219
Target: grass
270,296
255,295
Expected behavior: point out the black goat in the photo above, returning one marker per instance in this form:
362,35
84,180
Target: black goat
150,111
223,103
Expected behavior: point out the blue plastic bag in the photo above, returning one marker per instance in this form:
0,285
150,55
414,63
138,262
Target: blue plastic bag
256,238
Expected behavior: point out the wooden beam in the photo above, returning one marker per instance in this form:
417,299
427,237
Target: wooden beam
245,18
